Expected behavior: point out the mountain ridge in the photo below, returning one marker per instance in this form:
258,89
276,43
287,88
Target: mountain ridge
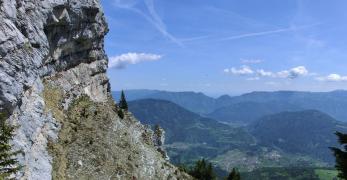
331,102
306,132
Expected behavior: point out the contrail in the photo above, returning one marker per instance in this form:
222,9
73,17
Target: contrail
263,33
195,38
159,24
152,17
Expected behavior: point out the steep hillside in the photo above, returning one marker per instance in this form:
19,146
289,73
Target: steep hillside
307,132
54,89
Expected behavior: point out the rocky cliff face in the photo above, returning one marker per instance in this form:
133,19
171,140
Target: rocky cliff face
54,88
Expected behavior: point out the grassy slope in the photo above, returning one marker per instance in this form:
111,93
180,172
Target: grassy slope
326,174
291,174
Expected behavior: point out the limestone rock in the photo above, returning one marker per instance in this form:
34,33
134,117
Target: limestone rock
159,140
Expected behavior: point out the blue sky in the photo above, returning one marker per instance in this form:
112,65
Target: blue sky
227,46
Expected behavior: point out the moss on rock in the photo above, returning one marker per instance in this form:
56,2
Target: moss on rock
53,97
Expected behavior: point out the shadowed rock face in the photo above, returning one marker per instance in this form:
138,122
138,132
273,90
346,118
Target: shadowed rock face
51,56
42,38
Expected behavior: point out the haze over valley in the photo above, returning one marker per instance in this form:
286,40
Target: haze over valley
252,131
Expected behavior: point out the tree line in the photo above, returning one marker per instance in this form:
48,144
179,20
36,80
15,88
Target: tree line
203,170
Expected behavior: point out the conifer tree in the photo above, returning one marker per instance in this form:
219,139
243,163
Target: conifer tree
183,168
210,174
341,155
203,171
234,175
120,113
122,102
8,163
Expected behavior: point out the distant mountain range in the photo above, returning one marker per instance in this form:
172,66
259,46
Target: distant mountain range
333,103
285,139
249,111
188,135
195,102
249,107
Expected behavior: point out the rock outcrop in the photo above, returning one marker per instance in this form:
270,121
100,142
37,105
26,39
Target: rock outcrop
54,88
159,140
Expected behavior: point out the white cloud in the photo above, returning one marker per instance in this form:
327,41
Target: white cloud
333,78
243,70
283,74
263,73
293,73
226,70
253,79
298,71
123,60
251,61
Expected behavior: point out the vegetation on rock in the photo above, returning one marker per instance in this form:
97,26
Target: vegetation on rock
120,113
203,170
123,102
341,155
93,144
234,175
8,163
123,106
158,133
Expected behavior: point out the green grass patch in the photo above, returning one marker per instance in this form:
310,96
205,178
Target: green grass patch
326,174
